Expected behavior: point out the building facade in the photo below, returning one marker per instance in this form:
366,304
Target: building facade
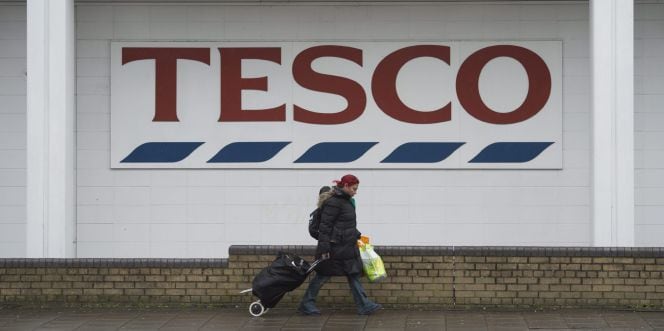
62,196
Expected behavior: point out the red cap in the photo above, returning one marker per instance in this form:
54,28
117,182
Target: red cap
347,180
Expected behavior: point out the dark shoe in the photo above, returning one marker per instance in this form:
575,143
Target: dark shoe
371,310
308,312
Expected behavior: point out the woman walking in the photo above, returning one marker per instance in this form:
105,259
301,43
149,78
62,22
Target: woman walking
337,241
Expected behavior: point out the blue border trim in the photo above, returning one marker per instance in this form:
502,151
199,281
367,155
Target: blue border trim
335,152
422,152
248,151
510,152
161,152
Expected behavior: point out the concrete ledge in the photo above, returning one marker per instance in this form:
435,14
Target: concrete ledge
113,263
560,251
655,252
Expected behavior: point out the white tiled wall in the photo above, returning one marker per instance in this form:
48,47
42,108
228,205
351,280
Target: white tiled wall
199,213
12,130
649,124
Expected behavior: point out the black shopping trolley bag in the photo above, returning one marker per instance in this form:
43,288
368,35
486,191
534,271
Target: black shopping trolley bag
286,273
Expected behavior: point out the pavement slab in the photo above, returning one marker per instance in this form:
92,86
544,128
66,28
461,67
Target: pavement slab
282,319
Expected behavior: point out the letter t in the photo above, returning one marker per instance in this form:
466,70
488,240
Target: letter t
166,74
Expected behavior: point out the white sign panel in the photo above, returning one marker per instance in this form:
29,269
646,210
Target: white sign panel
454,105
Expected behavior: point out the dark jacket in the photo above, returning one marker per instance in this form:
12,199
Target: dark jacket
338,236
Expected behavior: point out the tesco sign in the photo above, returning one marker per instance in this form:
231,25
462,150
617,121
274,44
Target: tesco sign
457,104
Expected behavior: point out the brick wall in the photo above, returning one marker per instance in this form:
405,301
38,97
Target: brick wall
497,277
115,281
560,278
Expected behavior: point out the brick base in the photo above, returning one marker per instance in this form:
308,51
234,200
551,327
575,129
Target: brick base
466,277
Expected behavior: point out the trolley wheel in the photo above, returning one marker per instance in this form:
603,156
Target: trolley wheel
256,309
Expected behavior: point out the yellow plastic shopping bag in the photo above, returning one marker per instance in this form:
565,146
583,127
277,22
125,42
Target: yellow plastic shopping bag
372,263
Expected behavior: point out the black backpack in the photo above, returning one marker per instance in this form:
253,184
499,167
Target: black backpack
314,223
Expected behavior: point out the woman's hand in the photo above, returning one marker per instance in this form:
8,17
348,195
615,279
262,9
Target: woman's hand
324,249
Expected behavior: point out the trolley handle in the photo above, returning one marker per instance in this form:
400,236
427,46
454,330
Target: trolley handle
315,263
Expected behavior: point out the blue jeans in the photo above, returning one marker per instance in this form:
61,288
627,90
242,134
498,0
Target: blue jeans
308,303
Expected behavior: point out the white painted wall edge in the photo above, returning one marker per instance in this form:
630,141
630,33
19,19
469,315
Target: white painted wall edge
612,57
50,203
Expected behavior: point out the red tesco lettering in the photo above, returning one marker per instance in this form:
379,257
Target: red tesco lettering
383,83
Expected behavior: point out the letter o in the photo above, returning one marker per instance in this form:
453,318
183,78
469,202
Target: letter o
539,84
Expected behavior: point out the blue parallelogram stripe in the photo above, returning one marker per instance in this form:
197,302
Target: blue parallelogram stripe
510,152
335,152
259,151
422,152
161,152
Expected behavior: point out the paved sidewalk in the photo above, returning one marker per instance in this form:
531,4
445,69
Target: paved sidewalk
286,319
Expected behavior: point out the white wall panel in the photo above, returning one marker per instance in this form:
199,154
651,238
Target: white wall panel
649,234
12,177
12,67
134,178
199,213
12,158
213,233
649,124
13,48
92,140
92,159
12,130
93,30
89,249
95,214
92,86
132,249
167,249
206,249
13,104
132,196
12,85
15,29
97,232
171,232
173,214
92,49
94,195
13,249
132,214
